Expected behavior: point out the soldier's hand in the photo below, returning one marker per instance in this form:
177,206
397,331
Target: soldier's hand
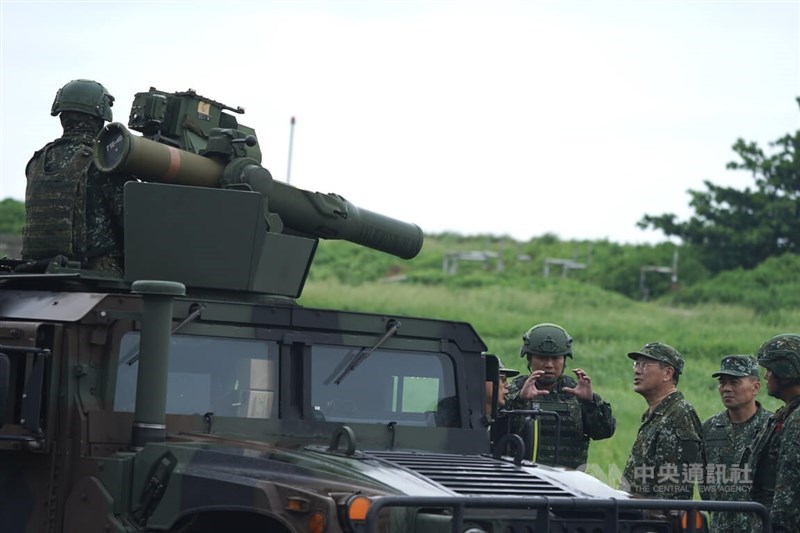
529,390
583,389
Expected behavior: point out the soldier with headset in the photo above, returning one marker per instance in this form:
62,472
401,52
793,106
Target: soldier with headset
71,208
583,414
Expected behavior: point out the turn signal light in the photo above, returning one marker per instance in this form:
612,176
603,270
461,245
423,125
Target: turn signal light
316,523
297,504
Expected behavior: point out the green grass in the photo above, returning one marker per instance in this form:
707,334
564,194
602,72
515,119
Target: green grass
605,326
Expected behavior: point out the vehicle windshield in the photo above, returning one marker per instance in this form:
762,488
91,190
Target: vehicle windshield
224,376
239,378
410,388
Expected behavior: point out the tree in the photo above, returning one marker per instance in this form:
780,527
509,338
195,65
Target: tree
734,228
12,216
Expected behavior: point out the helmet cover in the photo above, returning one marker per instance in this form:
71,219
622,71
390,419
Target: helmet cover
546,340
84,96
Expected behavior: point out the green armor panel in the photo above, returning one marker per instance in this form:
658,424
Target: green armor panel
574,444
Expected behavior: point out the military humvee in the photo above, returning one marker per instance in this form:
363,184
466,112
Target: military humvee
195,395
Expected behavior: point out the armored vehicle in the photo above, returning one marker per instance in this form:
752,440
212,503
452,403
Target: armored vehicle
194,394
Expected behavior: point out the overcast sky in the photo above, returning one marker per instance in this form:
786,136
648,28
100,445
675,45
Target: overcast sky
505,118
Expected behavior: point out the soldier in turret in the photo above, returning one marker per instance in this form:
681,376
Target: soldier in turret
666,459
727,434
583,413
775,454
71,208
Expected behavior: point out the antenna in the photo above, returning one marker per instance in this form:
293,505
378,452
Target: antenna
291,141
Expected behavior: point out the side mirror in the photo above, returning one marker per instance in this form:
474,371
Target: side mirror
5,369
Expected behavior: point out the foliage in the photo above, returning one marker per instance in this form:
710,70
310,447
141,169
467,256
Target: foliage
773,286
349,263
510,263
740,228
12,216
641,271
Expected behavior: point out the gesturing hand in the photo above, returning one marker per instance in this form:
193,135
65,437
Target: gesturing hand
583,389
529,390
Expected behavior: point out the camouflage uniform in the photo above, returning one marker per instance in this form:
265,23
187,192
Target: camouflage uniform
580,421
775,466
71,208
724,443
666,458
774,456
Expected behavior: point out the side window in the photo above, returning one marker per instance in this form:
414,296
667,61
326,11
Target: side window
225,376
389,385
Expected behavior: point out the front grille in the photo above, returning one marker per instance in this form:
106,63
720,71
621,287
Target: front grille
471,475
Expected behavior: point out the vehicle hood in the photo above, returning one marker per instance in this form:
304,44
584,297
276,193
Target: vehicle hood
400,472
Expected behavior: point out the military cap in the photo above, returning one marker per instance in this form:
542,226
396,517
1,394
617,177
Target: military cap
508,372
738,366
660,352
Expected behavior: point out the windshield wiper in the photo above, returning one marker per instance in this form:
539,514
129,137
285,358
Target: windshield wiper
349,365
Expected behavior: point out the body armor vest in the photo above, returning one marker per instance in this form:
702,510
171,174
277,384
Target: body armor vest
763,455
574,444
55,200
718,441
725,442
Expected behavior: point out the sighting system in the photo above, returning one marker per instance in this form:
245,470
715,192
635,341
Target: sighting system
185,120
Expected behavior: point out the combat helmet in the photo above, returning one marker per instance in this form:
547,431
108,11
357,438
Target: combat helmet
781,355
549,340
84,96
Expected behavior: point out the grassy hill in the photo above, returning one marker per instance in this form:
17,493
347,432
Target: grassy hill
605,324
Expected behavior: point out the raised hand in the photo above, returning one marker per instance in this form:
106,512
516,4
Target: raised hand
583,389
529,390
